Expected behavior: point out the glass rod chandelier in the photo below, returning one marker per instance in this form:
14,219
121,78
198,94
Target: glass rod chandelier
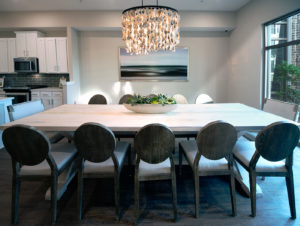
150,28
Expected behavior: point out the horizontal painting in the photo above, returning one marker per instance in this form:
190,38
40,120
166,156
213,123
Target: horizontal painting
160,65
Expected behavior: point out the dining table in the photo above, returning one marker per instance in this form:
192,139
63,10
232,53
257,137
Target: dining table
186,119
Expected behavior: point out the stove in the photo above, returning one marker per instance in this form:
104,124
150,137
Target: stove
21,94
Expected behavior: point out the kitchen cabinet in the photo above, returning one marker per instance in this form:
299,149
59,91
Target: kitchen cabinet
11,54
7,54
50,98
3,56
41,54
26,43
56,55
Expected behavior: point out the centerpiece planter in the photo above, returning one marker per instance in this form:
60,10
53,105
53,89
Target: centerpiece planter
153,104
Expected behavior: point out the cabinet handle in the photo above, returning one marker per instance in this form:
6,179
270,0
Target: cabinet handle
57,68
24,53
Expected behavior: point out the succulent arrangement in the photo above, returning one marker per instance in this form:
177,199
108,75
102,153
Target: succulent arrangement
151,99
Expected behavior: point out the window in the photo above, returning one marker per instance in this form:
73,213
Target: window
282,58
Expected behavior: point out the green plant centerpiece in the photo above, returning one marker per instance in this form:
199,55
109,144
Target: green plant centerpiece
151,99
151,104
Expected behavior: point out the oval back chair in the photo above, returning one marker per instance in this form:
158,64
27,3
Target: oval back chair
100,157
98,99
211,155
33,157
125,98
91,149
26,151
154,145
277,141
216,140
180,99
273,144
204,99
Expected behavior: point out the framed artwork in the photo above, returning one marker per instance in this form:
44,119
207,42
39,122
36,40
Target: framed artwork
160,65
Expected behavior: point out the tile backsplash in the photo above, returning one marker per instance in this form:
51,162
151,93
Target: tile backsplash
51,80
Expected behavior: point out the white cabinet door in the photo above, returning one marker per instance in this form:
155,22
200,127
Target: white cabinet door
56,99
35,95
3,55
61,52
46,97
21,44
31,40
51,55
41,54
11,54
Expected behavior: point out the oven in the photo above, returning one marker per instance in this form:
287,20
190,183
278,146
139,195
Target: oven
20,94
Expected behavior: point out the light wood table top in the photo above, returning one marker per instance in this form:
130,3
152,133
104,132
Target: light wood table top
186,117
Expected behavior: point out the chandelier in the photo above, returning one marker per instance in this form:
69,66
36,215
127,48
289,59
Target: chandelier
150,28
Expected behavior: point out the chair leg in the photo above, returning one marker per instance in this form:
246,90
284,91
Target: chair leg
232,194
196,187
54,197
15,199
129,160
291,194
80,188
174,195
180,160
252,179
136,197
117,195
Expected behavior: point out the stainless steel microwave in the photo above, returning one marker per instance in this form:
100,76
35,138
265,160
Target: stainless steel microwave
26,65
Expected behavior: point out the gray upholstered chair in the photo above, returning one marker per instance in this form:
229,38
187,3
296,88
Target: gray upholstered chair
180,99
25,109
154,144
287,110
211,155
125,98
263,157
33,157
100,157
98,99
204,99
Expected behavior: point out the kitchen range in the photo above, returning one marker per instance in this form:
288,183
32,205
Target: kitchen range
21,94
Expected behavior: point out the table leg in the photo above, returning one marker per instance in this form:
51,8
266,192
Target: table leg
242,177
64,180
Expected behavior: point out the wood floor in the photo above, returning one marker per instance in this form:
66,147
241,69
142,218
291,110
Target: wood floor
155,202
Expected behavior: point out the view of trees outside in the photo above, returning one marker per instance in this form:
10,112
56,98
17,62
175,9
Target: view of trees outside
283,59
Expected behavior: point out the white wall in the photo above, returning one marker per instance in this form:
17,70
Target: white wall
245,77
208,68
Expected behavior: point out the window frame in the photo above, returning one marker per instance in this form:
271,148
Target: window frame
270,47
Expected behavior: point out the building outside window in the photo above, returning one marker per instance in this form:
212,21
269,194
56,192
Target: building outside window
282,58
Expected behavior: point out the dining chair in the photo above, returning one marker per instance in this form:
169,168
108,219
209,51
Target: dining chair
33,157
100,156
152,95
263,157
180,99
204,99
25,109
98,99
211,155
287,110
154,144
125,98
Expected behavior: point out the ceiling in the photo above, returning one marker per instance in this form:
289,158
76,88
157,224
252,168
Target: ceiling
56,5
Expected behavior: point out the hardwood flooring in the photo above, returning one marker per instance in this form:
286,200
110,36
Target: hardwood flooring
155,201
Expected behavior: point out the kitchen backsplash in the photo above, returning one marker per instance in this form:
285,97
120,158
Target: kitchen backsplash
51,80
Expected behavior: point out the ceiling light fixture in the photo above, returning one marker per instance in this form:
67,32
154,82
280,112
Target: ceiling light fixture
150,28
